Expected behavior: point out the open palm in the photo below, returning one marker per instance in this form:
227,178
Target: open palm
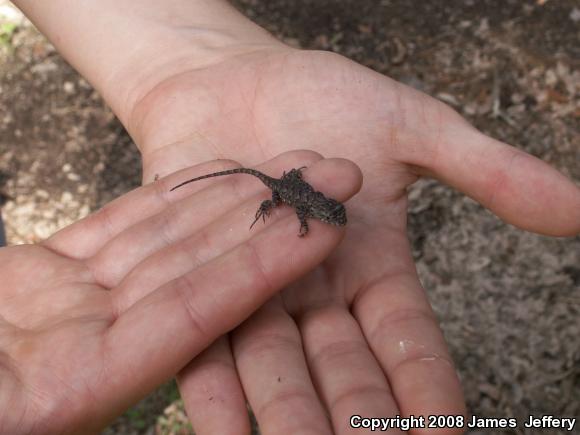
356,335
83,335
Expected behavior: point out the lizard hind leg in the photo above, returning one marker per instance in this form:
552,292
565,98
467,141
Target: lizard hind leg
266,207
263,211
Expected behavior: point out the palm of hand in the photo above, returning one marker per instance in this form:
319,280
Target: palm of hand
102,312
359,325
357,334
52,324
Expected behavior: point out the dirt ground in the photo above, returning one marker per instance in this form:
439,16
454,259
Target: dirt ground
508,300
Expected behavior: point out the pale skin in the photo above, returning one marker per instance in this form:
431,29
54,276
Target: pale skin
195,81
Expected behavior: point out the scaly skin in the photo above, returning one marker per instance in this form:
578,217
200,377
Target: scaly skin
290,189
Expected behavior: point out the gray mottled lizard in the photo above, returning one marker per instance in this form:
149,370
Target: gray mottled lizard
290,189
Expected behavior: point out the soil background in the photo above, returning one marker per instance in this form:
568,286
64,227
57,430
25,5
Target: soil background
508,301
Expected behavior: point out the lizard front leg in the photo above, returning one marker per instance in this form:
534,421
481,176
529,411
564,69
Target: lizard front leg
266,207
294,174
303,213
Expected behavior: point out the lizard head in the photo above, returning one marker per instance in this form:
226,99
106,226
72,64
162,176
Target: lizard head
330,211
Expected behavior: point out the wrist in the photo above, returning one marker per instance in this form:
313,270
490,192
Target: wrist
179,51
126,47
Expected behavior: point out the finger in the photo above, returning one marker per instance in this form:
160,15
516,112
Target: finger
270,361
212,392
404,334
224,200
156,337
517,187
346,373
86,237
337,177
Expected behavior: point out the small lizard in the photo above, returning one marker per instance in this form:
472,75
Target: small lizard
290,189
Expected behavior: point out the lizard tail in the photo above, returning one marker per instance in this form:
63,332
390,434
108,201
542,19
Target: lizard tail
219,174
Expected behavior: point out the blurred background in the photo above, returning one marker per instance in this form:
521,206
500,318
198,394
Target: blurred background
508,301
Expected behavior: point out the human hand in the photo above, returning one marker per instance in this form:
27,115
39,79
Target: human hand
204,83
357,335
104,311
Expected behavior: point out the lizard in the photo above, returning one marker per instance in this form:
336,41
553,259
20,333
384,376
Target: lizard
290,189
